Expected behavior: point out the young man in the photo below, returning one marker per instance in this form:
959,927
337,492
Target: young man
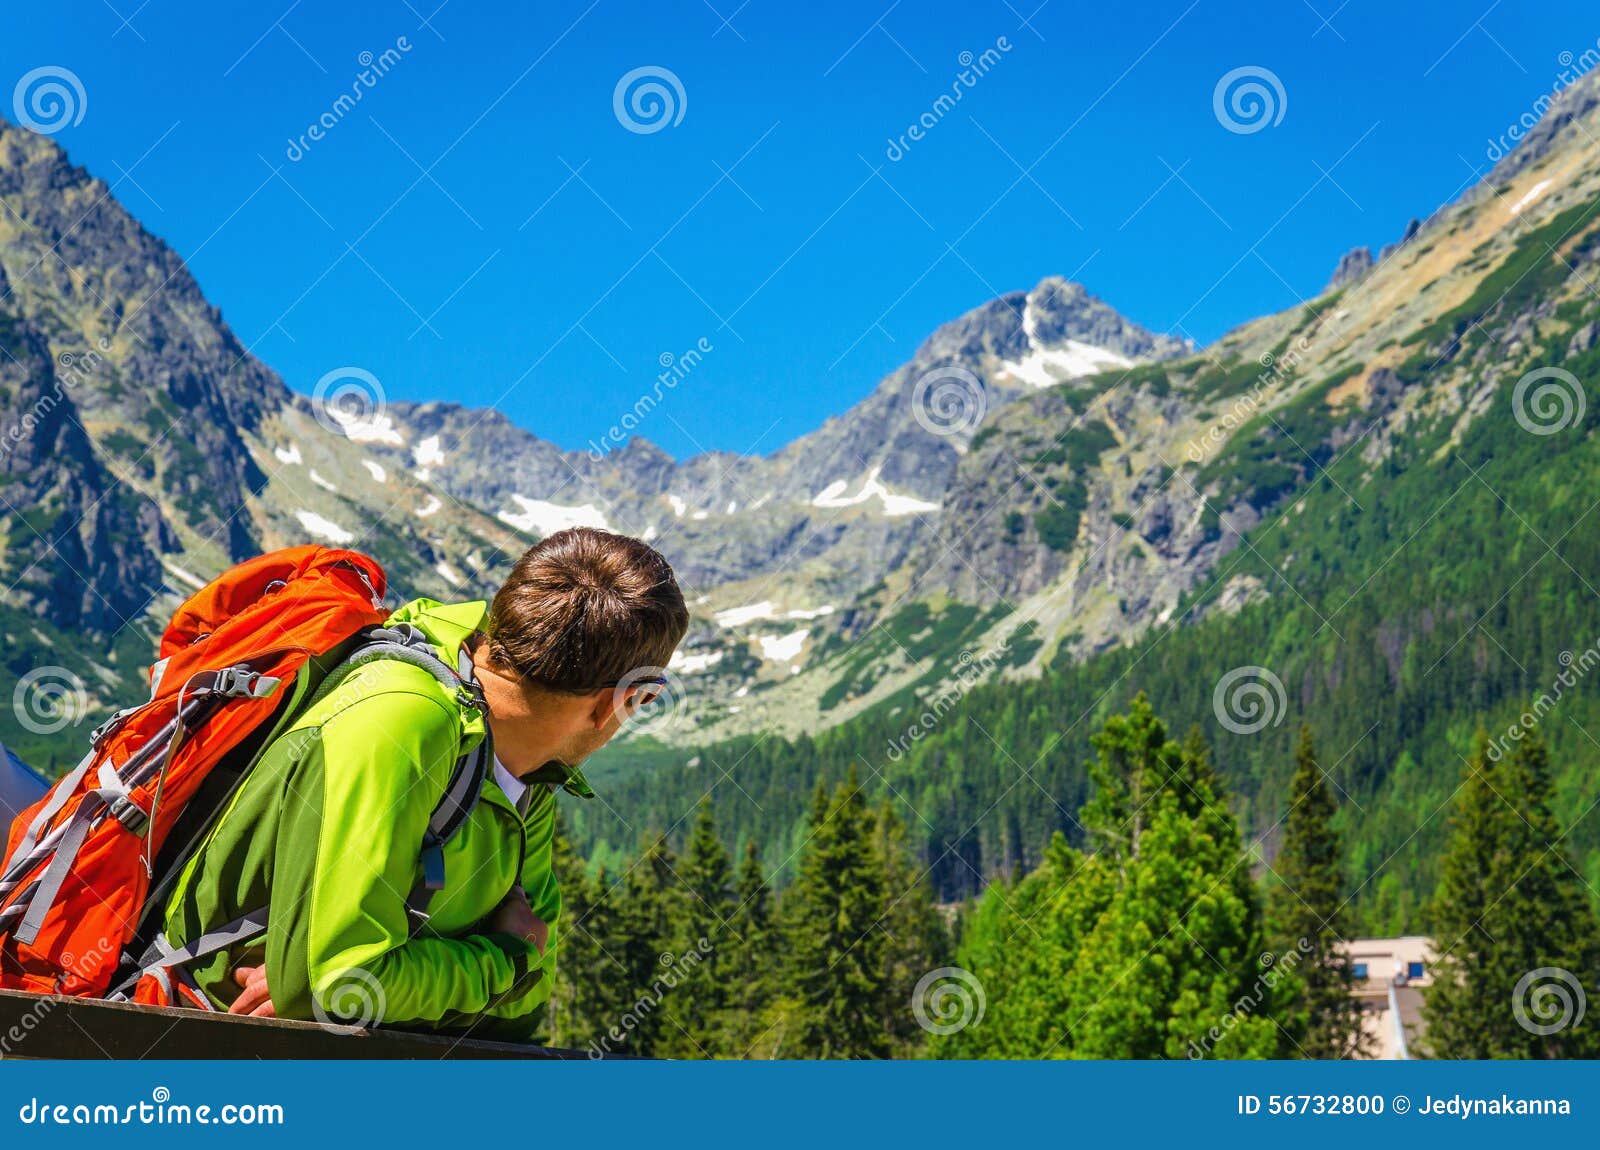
325,830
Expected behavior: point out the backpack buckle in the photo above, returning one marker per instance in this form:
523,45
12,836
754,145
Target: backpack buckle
130,814
242,683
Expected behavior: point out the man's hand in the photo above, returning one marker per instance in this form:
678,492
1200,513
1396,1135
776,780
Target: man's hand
515,917
253,998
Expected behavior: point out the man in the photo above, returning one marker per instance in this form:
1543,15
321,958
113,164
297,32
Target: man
326,828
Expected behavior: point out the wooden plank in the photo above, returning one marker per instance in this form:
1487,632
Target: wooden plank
49,1026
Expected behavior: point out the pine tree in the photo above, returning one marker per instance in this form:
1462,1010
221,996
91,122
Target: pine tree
915,938
832,917
751,970
571,1003
703,946
1183,927
1517,939
1321,1017
647,923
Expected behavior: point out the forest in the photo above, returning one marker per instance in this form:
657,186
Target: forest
1165,936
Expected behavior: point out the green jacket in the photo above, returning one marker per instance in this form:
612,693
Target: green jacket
326,832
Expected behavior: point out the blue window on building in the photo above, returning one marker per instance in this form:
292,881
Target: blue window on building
1413,970
1359,969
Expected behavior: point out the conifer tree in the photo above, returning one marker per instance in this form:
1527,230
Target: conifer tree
1518,944
834,944
1321,1017
750,969
704,945
915,938
1183,930
648,922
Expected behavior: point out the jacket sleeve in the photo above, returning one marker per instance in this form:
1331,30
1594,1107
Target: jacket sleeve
342,952
544,897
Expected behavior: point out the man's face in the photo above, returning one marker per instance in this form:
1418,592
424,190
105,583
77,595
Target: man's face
532,727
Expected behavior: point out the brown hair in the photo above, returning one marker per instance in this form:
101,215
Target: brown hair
584,609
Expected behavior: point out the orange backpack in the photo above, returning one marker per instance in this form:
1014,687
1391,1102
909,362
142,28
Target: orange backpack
235,664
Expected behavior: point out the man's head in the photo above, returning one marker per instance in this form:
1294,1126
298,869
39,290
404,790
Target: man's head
576,635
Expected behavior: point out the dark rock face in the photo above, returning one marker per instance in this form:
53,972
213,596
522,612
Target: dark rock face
1353,265
144,351
79,546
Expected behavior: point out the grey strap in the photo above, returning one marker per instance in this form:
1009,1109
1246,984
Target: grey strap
161,958
44,895
59,797
242,929
461,796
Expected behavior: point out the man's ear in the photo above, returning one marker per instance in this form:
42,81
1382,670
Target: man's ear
604,707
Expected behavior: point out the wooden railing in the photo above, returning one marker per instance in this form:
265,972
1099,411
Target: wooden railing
48,1026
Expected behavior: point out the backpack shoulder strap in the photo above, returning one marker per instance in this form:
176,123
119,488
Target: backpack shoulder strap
407,644
460,797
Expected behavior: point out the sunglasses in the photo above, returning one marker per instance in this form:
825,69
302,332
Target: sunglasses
642,692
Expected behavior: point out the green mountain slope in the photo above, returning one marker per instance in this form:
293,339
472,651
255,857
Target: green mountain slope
1373,514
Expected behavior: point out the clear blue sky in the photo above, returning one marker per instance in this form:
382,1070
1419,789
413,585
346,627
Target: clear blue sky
756,221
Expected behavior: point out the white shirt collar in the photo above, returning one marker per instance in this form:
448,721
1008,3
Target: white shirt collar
513,787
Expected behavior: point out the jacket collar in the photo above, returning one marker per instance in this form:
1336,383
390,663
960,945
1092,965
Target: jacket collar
448,626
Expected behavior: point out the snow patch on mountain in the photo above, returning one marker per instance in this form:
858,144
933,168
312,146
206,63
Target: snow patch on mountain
542,518
1533,194
447,573
1048,366
894,503
428,452
739,616
811,612
783,648
433,504
380,473
376,427
323,528
694,664
288,455
183,576
321,482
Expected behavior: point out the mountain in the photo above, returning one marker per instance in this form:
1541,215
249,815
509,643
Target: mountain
155,450
1373,512
1369,511
143,449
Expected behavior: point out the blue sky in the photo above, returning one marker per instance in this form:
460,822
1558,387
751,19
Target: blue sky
482,227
